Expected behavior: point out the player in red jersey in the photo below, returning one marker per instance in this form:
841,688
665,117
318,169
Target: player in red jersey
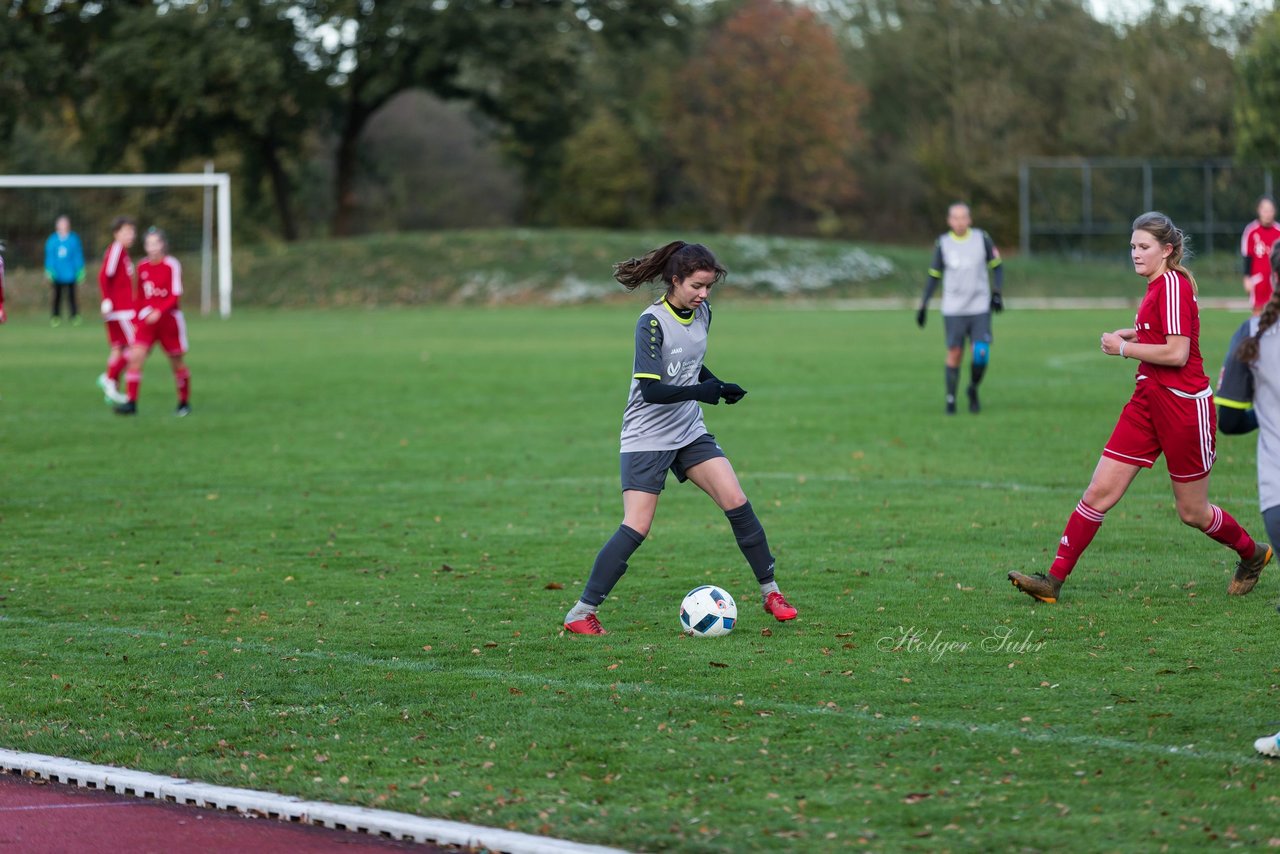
159,321
1255,249
115,278
1171,412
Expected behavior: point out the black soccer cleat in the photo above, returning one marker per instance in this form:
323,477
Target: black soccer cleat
1038,586
183,410
1248,571
974,406
951,405
130,408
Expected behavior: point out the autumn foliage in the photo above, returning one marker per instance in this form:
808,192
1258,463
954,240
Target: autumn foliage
764,118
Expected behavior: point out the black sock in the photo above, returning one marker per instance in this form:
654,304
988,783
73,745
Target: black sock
1271,518
751,539
953,380
610,564
976,373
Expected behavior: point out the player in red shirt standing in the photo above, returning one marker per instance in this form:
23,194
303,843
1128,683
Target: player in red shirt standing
1171,412
1255,247
115,278
159,320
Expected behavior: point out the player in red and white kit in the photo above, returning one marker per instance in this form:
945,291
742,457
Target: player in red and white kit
1171,412
115,278
159,321
1255,250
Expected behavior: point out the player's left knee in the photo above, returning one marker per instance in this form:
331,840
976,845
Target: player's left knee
981,352
1195,517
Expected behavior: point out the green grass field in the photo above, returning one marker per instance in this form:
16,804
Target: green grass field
343,576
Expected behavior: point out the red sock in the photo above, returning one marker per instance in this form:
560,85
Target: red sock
133,379
182,378
115,365
1083,524
1227,531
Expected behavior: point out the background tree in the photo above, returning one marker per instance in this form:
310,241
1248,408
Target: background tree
1257,104
764,118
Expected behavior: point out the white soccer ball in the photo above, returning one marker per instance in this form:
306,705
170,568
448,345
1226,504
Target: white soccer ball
708,612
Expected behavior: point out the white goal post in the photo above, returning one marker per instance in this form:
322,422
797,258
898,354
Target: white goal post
217,183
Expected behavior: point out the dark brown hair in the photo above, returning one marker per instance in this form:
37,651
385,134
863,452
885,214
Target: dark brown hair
1160,227
120,222
1247,352
675,260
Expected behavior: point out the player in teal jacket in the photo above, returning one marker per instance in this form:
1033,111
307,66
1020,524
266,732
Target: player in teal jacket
64,268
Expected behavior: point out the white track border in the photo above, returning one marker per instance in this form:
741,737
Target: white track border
247,802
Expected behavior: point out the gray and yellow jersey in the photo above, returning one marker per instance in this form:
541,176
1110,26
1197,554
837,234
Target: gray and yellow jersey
1257,387
669,349
962,263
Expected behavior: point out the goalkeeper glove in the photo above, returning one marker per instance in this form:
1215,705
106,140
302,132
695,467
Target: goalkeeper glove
709,391
921,314
732,393
997,302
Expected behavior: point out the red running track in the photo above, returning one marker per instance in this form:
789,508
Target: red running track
48,818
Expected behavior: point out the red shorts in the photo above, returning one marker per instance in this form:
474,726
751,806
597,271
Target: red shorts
170,331
120,328
1159,420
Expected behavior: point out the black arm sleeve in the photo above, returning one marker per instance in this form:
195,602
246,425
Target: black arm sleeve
655,392
1244,268
935,274
997,275
930,286
705,374
1235,422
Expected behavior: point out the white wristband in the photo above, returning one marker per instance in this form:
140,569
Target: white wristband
1122,355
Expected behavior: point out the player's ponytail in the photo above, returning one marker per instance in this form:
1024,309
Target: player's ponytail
675,260
1160,227
1247,352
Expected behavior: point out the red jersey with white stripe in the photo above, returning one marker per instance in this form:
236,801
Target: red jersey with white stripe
159,286
1256,246
115,277
1170,308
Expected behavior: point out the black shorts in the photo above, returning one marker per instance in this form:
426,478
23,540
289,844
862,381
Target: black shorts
646,471
975,327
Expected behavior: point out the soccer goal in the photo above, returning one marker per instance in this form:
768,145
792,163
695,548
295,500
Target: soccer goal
194,210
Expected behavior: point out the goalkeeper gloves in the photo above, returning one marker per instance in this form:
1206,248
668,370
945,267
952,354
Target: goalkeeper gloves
709,391
997,302
921,314
732,393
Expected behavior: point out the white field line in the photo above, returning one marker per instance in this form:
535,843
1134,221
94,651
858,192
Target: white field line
383,823
1056,736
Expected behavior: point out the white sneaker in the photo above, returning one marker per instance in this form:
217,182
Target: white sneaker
1268,746
111,393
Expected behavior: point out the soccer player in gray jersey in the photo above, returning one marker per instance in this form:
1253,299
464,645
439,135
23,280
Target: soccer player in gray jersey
961,260
662,427
1248,399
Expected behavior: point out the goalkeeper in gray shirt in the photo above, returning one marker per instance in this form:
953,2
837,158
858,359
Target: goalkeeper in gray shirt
961,260
662,427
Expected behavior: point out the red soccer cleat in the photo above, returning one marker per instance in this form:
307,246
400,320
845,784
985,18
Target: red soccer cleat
590,625
778,606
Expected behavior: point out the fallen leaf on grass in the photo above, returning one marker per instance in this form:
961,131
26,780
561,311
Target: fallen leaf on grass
554,585
916,797
718,664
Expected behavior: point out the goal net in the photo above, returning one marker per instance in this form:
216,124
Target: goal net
193,209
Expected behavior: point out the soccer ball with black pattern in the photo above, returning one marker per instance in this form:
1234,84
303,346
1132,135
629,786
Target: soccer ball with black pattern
708,612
